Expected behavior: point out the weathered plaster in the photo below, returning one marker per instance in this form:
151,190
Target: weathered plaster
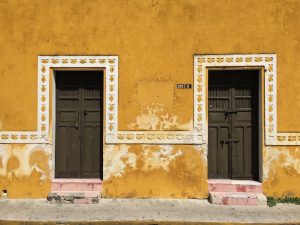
25,170
154,44
160,158
155,117
166,52
281,171
116,159
165,171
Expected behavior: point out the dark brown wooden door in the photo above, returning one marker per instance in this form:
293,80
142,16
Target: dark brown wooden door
79,100
233,124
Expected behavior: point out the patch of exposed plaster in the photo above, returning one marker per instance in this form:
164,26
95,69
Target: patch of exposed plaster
156,159
117,158
5,154
284,158
154,118
23,153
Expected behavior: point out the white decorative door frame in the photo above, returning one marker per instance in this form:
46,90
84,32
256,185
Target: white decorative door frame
112,135
45,63
268,61
110,66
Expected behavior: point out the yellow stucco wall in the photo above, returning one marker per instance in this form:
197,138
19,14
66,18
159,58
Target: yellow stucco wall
145,171
25,170
155,42
281,171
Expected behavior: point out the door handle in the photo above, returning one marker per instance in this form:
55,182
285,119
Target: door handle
85,112
76,125
227,141
230,112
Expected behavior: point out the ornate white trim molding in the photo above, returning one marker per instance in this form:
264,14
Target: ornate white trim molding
268,61
112,135
45,63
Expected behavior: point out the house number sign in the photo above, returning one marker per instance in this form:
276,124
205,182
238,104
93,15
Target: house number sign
184,86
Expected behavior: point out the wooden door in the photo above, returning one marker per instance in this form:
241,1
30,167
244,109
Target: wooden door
79,100
233,124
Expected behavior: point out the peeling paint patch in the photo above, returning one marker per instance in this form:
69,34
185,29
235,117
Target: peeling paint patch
281,176
282,155
23,152
178,171
117,158
154,117
25,170
12,165
161,158
36,162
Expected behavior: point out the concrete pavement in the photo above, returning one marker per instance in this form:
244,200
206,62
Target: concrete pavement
143,211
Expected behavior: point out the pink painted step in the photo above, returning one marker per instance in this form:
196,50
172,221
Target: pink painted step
79,188
237,198
76,185
83,194
236,192
219,185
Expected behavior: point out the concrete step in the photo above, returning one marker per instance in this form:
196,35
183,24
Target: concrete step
219,185
77,194
237,198
73,197
58,185
75,191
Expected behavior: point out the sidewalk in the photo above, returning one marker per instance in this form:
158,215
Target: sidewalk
143,211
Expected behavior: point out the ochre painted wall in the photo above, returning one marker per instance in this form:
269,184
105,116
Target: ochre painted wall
25,170
170,171
281,171
145,171
155,42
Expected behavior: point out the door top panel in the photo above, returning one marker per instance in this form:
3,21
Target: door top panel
236,77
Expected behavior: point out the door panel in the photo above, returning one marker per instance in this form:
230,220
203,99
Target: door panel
79,124
233,106
91,126
218,103
218,158
67,110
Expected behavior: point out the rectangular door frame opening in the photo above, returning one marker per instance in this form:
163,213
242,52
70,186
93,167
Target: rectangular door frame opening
53,113
260,107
